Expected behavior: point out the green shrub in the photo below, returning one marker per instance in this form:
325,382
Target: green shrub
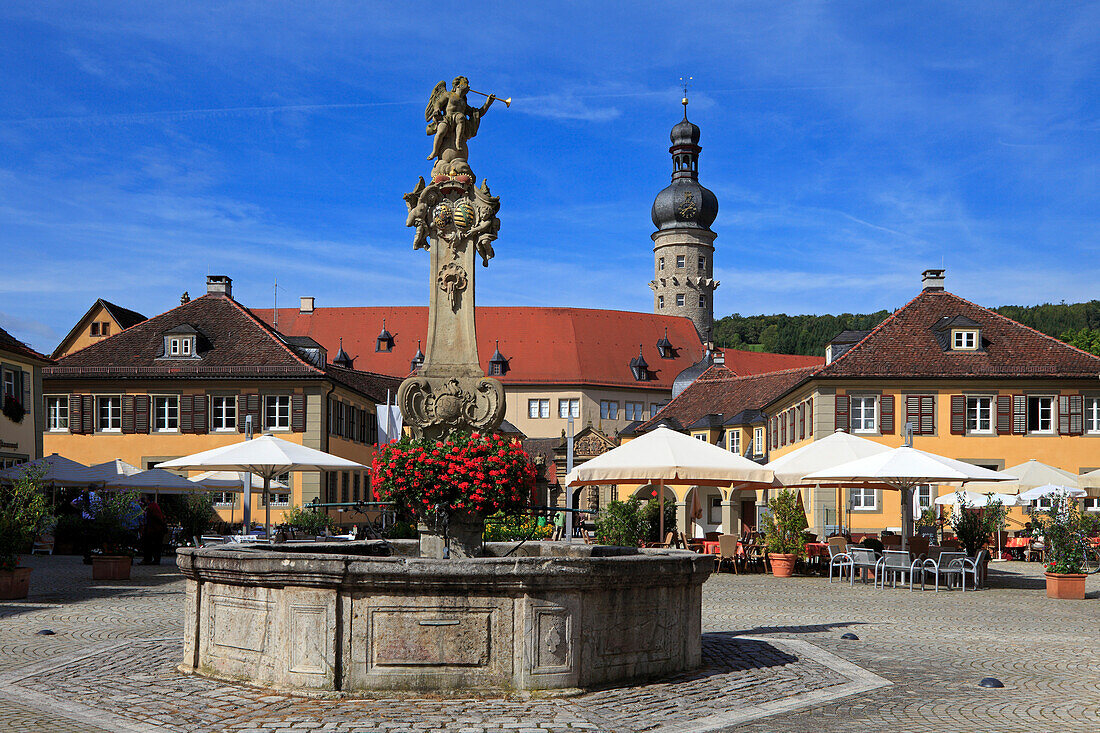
651,513
309,521
622,523
193,512
114,518
401,530
784,525
502,527
973,526
23,513
1063,528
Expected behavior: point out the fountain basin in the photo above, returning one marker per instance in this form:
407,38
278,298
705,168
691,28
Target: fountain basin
347,617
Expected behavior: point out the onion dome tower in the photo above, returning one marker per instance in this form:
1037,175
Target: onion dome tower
683,245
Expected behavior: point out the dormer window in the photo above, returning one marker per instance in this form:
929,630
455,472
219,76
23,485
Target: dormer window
181,346
385,340
181,342
417,360
498,364
639,367
964,339
664,347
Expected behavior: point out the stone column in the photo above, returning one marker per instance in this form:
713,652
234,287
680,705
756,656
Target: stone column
683,521
731,514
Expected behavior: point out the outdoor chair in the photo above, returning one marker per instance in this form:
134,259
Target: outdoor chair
1036,550
918,546
948,565
727,551
668,544
44,542
975,569
894,563
756,554
891,540
863,558
839,557
712,536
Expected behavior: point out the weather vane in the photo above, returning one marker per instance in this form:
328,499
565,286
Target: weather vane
685,83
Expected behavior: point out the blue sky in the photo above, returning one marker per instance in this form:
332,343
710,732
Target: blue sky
851,145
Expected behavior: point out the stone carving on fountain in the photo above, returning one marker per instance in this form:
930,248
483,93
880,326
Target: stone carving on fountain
456,221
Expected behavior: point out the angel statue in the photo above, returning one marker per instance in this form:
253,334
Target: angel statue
420,202
451,120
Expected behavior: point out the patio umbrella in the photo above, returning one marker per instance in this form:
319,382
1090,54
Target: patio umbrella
1090,480
56,469
1029,475
110,470
1045,490
267,457
232,481
974,499
156,480
904,469
666,457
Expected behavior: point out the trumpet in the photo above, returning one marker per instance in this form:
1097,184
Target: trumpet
507,102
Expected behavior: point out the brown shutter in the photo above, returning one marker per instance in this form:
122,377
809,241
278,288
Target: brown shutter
927,414
1076,414
1019,414
141,413
790,422
1063,415
912,412
298,413
842,421
802,421
1004,414
200,420
128,413
810,417
958,414
186,414
255,409
886,414
782,431
76,414
89,413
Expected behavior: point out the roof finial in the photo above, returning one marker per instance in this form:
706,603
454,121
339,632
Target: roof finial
685,83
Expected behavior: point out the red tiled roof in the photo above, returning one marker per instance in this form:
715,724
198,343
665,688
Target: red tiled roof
15,346
905,346
542,345
720,391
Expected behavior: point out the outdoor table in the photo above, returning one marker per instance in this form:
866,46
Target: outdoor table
710,547
817,552
1016,546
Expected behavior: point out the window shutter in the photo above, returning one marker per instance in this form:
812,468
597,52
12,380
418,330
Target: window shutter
1063,414
89,413
242,411
886,414
1004,414
128,413
1019,414
255,410
842,420
810,417
927,414
1076,414
76,414
802,421
782,431
141,413
958,414
790,421
25,388
200,422
912,412
298,413
186,414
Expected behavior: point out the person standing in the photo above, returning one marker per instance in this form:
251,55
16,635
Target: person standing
153,531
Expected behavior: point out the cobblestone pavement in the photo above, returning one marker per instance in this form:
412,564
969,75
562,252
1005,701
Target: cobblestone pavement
772,652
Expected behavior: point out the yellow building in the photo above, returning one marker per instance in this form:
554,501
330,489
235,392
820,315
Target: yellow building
200,376
103,320
20,389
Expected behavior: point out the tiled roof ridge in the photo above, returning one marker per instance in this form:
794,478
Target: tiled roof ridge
361,371
876,329
115,310
1036,331
20,346
270,331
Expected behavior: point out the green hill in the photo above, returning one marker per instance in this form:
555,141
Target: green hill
1077,323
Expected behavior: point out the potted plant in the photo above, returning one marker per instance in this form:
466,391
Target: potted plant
22,514
783,528
449,486
113,520
1063,529
974,525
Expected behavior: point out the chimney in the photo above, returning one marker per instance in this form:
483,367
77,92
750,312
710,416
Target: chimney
219,285
306,304
932,279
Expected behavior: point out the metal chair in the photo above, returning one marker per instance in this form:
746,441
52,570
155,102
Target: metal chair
839,557
974,568
863,558
948,565
895,563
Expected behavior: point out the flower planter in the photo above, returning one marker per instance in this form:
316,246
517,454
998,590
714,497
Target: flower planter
111,567
1066,586
14,583
782,564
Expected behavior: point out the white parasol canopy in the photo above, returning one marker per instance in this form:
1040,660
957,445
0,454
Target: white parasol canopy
155,479
833,450
267,457
1028,475
1039,492
905,468
232,481
111,470
1090,480
58,470
974,499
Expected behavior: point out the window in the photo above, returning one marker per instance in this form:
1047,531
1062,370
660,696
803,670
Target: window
964,339
609,409
277,499
173,347
979,414
166,414
538,409
223,411
758,441
185,347
11,385
700,436
569,408
1040,414
702,262
94,329
496,369
660,263
1092,415
702,301
109,411
863,414
277,412
105,329
679,298
57,413
635,410
224,498
734,441
355,487
863,499
923,500
655,407
660,301
345,485
1092,504
681,260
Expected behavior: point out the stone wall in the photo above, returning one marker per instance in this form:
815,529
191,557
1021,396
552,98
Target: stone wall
672,280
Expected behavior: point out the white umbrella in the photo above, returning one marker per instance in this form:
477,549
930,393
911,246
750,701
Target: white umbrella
110,470
1045,490
665,457
232,481
266,456
1090,480
155,479
974,499
819,455
905,468
1028,475
56,469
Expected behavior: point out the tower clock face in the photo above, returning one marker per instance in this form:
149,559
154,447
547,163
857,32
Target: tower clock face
687,208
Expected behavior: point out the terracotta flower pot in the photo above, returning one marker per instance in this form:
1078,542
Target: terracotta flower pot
111,567
1066,586
782,565
14,583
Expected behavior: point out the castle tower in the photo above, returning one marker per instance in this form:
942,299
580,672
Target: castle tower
683,245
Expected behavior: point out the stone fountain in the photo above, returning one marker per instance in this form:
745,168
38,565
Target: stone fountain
447,612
